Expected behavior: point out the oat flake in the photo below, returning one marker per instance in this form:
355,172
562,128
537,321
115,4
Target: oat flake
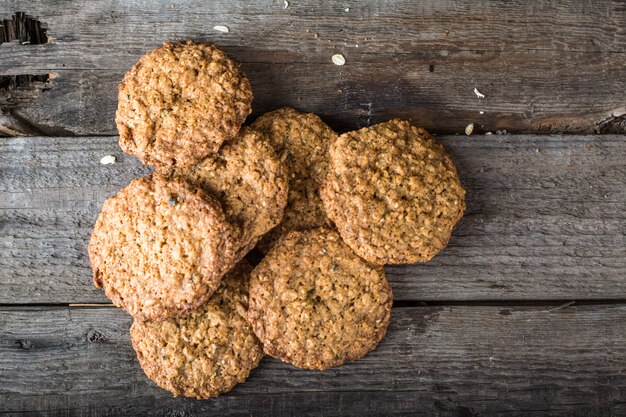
108,160
338,59
221,28
469,129
478,93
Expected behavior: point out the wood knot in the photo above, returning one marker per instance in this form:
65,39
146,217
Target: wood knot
94,336
25,344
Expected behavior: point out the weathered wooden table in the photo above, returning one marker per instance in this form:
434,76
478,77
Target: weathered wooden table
523,314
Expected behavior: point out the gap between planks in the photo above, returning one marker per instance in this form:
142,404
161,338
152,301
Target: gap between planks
550,304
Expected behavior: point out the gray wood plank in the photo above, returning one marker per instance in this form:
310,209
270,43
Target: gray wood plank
546,219
553,66
444,361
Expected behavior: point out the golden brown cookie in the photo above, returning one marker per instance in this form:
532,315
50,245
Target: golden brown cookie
315,304
180,102
393,193
301,140
205,352
160,248
250,182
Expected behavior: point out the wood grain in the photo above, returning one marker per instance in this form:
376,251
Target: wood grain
546,219
552,66
444,361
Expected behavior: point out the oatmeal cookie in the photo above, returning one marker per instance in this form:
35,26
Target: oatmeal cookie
301,140
180,102
393,193
205,352
160,247
315,304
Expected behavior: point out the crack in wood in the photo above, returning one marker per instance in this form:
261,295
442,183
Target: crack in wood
22,27
21,90
614,124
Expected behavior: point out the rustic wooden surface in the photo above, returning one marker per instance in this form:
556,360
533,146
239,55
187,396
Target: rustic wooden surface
547,66
546,219
523,314
445,361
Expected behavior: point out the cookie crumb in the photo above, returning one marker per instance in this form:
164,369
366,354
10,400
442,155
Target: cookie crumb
221,28
108,160
338,59
478,93
469,129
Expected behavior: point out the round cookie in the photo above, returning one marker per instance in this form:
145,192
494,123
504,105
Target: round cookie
160,247
180,102
393,193
301,140
316,304
205,352
250,182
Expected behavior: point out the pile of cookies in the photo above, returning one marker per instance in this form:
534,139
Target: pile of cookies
326,210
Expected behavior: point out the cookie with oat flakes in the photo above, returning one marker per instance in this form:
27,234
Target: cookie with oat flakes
180,102
315,304
160,247
393,193
206,352
301,140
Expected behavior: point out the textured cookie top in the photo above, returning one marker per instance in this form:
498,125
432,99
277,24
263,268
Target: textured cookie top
315,304
250,182
301,140
393,193
180,102
206,352
159,248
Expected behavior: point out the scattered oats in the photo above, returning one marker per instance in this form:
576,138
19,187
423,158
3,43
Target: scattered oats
478,93
347,9
488,133
338,59
221,28
286,4
501,132
469,129
316,36
108,160
481,112
536,150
